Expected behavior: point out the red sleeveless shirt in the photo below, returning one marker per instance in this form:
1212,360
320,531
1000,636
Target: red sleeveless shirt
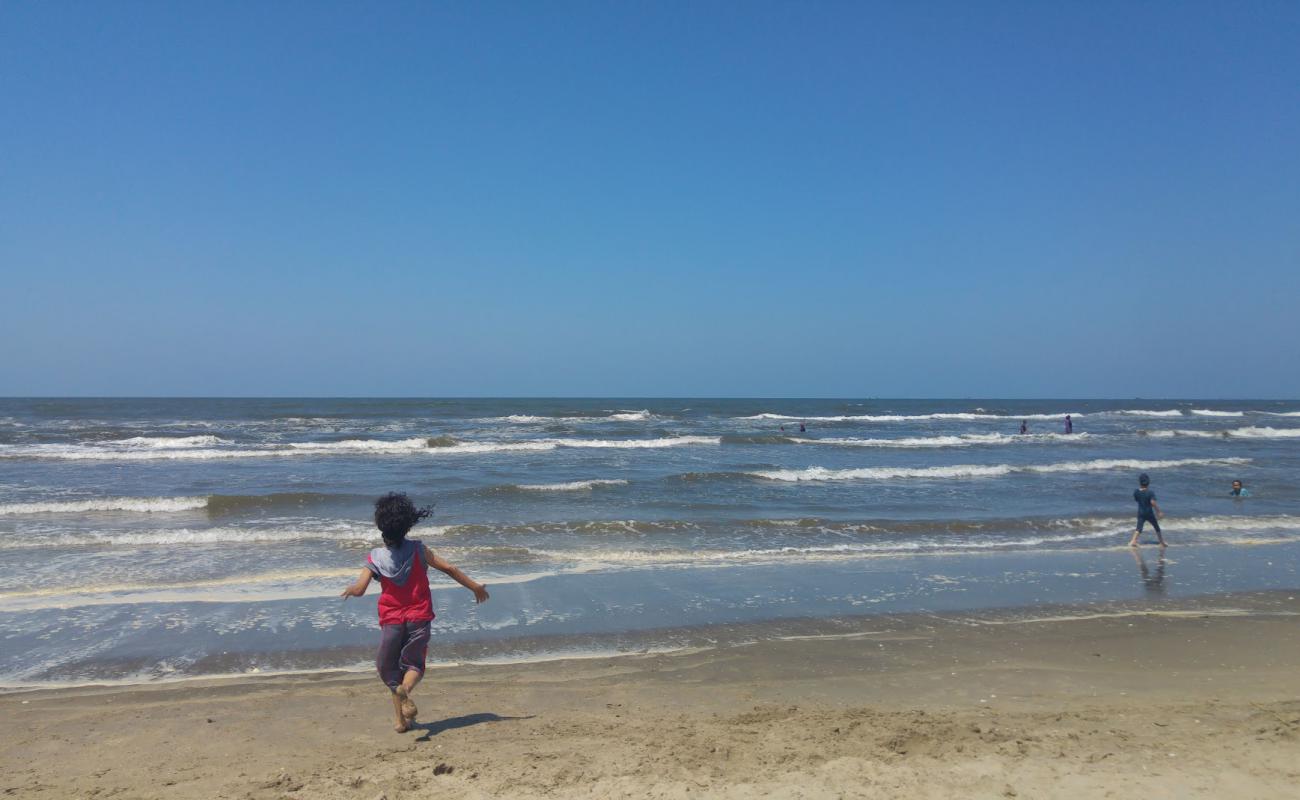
408,602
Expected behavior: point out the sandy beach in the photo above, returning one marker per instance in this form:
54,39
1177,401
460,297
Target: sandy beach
1201,699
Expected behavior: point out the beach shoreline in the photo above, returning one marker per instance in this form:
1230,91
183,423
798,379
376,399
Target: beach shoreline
1194,698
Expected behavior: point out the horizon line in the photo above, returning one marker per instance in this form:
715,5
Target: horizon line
629,397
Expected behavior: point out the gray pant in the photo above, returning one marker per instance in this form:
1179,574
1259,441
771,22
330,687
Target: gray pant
402,647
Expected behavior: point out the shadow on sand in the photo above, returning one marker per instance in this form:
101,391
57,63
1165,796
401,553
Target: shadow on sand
431,729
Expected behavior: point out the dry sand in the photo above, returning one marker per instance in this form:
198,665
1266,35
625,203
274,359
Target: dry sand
1193,703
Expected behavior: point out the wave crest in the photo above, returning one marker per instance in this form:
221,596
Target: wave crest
144,505
978,470
571,486
1235,433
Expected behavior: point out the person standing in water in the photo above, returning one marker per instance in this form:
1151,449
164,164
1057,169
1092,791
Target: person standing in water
1024,427
1238,490
1148,510
1069,424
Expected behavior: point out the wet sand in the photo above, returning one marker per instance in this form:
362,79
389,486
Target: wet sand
1200,699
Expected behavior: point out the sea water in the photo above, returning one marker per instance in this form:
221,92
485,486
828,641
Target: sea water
147,539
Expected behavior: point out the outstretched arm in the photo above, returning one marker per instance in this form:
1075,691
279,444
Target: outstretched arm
453,572
359,587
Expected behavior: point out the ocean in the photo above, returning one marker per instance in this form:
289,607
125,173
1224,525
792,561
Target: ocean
156,539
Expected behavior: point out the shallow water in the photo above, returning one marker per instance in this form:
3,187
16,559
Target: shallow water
155,538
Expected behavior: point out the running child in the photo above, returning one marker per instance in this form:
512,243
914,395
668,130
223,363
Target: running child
1148,510
405,605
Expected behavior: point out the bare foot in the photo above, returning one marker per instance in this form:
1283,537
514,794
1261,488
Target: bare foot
409,710
401,727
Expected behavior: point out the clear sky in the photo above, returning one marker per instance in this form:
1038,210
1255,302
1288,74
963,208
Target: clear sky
1003,199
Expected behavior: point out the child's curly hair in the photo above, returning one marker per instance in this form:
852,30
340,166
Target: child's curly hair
395,515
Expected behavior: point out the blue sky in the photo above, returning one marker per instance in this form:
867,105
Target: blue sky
670,198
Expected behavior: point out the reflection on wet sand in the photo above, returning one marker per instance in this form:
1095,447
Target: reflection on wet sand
1152,580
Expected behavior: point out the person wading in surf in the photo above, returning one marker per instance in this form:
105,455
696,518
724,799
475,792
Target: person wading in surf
1148,510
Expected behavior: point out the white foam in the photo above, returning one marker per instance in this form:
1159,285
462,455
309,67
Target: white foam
170,441
416,445
364,445
413,445
1189,524
571,486
615,558
532,419
497,447
334,530
1265,433
1131,463
255,588
1142,412
256,579
963,440
977,470
909,417
87,453
882,473
633,444
1226,523
1235,433
1205,412
137,504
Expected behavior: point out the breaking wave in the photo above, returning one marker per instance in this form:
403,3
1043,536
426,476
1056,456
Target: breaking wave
134,504
308,530
962,440
956,415
643,415
670,441
169,441
441,445
979,471
1235,433
571,486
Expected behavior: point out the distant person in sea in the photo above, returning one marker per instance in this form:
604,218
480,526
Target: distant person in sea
1069,424
1024,427
1238,490
405,606
1148,510
803,428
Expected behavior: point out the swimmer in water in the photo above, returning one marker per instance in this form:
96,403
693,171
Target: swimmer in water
1024,427
1069,424
1238,490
